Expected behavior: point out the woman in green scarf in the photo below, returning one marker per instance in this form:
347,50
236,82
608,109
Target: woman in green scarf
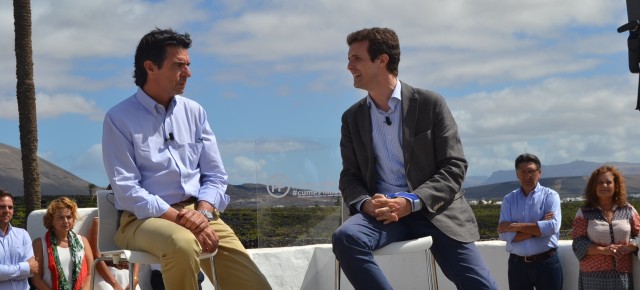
64,256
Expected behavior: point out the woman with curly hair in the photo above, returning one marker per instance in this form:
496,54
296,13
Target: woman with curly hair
603,233
64,256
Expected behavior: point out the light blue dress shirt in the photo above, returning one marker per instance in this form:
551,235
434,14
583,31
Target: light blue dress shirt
156,157
15,250
518,208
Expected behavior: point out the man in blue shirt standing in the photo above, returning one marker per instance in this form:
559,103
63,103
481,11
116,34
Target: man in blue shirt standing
530,220
16,254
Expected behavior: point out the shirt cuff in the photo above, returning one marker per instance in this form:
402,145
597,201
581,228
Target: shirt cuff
358,204
25,270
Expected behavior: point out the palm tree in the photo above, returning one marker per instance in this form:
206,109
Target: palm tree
25,92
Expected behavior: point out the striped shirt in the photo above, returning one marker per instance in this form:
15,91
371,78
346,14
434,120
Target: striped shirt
387,144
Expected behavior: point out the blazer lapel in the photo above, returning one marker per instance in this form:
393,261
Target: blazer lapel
364,126
363,116
409,119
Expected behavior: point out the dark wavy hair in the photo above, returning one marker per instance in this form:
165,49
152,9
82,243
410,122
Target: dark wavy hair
57,205
153,47
381,41
620,188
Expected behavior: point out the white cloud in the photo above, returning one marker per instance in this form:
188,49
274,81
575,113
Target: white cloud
68,29
246,170
560,119
52,106
265,146
70,38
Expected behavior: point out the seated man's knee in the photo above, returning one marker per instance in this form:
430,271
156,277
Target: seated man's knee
184,245
344,238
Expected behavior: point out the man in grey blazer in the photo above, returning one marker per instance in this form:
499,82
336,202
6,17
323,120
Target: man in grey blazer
403,168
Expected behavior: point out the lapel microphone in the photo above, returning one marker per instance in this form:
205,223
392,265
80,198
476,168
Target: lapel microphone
170,137
387,120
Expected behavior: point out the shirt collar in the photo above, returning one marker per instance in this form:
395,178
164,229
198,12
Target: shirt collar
536,189
396,96
151,105
9,227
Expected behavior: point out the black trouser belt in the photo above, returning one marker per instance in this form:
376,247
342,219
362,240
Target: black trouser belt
534,258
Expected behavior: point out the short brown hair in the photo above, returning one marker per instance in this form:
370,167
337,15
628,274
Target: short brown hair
59,204
6,193
619,192
381,41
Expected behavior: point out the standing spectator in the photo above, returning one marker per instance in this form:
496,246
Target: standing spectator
602,231
17,262
530,219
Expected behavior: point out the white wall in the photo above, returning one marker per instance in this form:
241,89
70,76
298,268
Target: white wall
312,268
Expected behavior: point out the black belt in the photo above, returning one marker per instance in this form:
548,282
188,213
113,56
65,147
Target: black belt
534,258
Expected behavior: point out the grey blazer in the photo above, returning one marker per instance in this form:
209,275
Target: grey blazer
433,158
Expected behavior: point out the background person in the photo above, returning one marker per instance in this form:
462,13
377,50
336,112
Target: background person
65,256
110,276
17,262
602,230
530,219
168,179
400,139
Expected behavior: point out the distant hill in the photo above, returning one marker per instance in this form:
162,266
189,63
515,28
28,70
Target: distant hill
53,179
575,168
567,187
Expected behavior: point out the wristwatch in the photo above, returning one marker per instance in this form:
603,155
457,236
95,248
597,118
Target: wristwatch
208,215
412,198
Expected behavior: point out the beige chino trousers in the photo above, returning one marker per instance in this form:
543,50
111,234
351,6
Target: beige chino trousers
179,250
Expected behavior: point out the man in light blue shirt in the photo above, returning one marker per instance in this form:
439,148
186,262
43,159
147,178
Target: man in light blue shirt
164,166
16,253
530,220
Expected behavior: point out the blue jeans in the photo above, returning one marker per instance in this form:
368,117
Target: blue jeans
356,239
543,275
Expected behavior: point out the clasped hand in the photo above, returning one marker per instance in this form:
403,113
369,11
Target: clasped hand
619,250
385,209
198,224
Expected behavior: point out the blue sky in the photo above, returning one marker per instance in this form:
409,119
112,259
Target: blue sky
546,77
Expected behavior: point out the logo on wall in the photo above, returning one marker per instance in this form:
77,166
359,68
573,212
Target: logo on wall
277,188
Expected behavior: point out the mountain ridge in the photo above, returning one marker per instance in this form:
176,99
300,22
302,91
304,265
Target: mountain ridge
57,181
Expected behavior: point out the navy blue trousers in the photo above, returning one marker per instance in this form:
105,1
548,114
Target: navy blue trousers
543,275
356,239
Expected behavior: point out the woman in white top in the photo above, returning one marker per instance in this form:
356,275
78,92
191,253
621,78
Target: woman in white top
65,257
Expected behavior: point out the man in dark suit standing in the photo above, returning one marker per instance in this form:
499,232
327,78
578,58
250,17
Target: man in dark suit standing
402,172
